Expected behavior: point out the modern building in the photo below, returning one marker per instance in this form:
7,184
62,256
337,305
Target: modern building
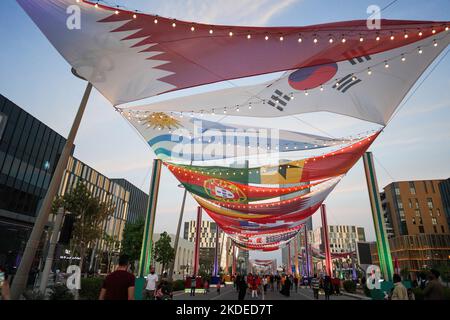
387,215
419,238
184,260
138,202
29,152
343,238
207,241
415,207
444,188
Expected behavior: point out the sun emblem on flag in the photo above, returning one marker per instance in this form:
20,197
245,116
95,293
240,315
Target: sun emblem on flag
224,191
160,120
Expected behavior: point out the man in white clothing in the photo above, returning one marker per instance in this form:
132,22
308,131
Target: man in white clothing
150,285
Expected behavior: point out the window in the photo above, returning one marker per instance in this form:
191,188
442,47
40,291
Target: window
397,191
430,203
400,204
421,229
435,229
412,188
410,205
442,229
417,204
414,220
438,212
417,211
434,221
425,186
432,186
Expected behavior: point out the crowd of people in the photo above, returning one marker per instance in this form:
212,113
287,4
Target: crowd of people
120,285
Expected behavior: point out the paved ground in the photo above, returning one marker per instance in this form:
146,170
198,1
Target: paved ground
229,293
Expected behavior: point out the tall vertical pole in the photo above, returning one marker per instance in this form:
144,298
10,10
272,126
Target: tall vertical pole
177,236
289,262
147,241
21,277
216,253
326,240
307,255
197,240
296,255
233,265
384,251
51,251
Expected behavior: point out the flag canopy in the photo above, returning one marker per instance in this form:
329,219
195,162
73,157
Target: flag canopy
129,56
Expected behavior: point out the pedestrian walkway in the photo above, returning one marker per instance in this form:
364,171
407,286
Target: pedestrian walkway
229,293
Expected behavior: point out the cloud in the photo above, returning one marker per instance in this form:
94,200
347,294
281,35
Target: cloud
248,12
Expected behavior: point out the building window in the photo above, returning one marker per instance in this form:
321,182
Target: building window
430,203
414,220
438,212
435,229
417,204
434,221
417,211
432,186
442,229
397,191
410,204
421,229
412,188
425,186
400,204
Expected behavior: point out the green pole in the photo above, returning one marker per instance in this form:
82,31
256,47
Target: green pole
384,252
147,240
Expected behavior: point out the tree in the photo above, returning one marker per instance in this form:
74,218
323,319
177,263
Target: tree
132,239
90,215
164,253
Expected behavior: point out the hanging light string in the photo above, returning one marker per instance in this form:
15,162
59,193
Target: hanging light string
320,34
255,100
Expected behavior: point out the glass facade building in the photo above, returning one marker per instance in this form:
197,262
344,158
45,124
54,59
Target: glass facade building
138,202
29,152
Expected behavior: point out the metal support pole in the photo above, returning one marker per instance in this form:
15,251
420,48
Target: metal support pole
21,277
233,266
326,240
296,255
147,241
308,265
197,240
384,252
177,237
289,262
51,251
216,253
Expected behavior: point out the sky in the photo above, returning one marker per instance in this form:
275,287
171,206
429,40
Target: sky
413,146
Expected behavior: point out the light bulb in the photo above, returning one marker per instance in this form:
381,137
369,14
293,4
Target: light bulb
433,31
315,40
211,31
281,38
192,28
361,39
353,78
377,38
134,16
306,92
344,40
369,72
321,88
230,34
330,40
386,65
249,36
116,12
420,33
266,38
420,50
300,40
174,24
435,43
392,37
406,36
403,58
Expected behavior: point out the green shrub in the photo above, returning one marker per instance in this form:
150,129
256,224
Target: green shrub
349,286
178,285
90,288
60,292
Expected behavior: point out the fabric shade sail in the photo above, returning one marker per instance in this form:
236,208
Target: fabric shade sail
320,167
129,56
178,136
369,86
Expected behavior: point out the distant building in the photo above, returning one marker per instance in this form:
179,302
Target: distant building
207,241
184,260
343,238
137,206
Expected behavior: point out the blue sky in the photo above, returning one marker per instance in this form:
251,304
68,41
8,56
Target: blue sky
413,146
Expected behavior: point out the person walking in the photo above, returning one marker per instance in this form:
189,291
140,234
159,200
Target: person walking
434,289
399,292
242,287
327,287
296,283
4,285
150,285
253,284
205,287
193,285
315,285
119,285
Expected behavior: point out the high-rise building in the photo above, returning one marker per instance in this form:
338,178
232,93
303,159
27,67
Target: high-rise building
387,215
342,238
207,241
415,207
137,205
